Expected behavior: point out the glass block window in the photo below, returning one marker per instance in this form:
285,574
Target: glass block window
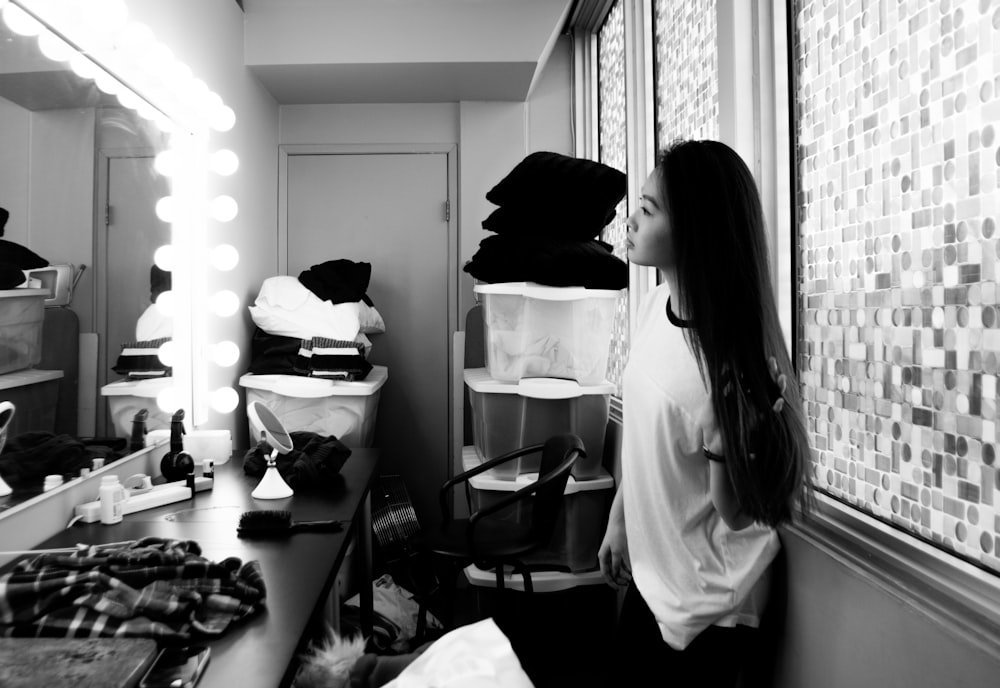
896,154
612,151
686,70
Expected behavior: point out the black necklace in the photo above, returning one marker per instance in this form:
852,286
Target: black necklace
675,320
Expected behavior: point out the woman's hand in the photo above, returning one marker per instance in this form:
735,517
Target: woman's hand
613,554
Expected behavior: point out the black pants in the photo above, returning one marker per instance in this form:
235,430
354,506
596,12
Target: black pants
714,659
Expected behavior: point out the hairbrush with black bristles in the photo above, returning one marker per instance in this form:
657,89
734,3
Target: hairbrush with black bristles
278,523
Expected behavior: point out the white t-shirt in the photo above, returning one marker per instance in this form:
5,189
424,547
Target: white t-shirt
690,567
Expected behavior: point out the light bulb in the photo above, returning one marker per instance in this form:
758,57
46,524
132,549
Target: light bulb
169,400
82,66
224,208
146,111
225,399
20,21
165,162
222,118
164,257
165,209
225,303
224,162
135,39
167,352
128,99
226,354
164,123
106,83
53,47
225,257
165,303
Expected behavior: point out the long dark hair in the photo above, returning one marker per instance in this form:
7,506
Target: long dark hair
724,282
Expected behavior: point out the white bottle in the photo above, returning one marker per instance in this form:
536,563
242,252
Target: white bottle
112,498
52,482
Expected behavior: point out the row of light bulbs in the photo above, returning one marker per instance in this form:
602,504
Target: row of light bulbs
113,39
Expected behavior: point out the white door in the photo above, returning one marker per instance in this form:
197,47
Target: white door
389,210
125,250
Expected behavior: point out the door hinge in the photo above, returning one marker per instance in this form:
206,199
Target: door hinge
107,214
447,211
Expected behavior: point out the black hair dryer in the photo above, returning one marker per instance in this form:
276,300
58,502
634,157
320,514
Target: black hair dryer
177,463
139,431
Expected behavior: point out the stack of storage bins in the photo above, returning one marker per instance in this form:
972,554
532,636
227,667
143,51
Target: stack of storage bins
546,355
34,393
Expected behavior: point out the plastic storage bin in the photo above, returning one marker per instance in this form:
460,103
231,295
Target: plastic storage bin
128,397
345,410
581,523
35,395
507,416
537,331
22,312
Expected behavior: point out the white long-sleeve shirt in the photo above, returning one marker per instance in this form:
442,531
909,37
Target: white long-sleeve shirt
690,567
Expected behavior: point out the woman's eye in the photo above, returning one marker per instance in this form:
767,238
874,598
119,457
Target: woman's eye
645,212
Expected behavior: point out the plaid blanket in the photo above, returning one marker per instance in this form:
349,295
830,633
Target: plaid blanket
154,587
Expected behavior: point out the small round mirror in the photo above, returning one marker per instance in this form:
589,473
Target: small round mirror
267,423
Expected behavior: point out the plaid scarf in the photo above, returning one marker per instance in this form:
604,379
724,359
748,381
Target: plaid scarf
154,587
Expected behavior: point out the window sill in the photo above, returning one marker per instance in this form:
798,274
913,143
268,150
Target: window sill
960,597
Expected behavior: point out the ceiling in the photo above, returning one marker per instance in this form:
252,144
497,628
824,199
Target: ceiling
400,51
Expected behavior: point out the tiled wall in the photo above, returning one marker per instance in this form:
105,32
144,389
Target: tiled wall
897,104
685,64
612,135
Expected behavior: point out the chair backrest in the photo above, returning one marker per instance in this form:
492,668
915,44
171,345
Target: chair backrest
558,456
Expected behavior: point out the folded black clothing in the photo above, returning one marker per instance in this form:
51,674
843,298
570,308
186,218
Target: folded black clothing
553,221
339,281
273,354
21,257
332,359
30,456
544,180
11,276
548,261
141,359
314,461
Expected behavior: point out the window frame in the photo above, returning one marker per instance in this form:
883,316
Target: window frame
756,75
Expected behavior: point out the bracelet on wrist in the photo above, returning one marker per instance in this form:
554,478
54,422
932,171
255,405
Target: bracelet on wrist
712,456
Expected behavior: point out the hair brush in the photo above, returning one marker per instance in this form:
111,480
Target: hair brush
278,523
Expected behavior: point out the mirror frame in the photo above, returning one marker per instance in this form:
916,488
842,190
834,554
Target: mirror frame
125,60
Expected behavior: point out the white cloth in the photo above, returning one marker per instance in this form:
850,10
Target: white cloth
286,307
690,567
153,324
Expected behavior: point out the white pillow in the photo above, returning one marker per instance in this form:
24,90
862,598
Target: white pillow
370,318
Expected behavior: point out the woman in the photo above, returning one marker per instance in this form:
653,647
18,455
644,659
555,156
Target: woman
713,444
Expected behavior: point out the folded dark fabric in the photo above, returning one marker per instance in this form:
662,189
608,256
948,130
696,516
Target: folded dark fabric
547,261
140,360
20,256
273,354
555,221
30,456
11,276
153,588
313,463
338,281
332,359
544,180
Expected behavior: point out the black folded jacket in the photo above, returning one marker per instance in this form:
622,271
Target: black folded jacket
552,221
548,261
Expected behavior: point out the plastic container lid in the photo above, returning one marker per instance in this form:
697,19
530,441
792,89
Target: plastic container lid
149,388
20,378
484,481
540,291
314,387
479,380
541,581
14,293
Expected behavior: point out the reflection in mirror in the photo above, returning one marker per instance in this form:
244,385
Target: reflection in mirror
91,133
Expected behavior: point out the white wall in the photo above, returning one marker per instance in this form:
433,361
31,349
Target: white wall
15,139
207,35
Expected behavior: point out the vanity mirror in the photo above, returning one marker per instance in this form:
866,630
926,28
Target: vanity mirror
93,108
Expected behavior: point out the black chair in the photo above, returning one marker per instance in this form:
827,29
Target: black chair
490,542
